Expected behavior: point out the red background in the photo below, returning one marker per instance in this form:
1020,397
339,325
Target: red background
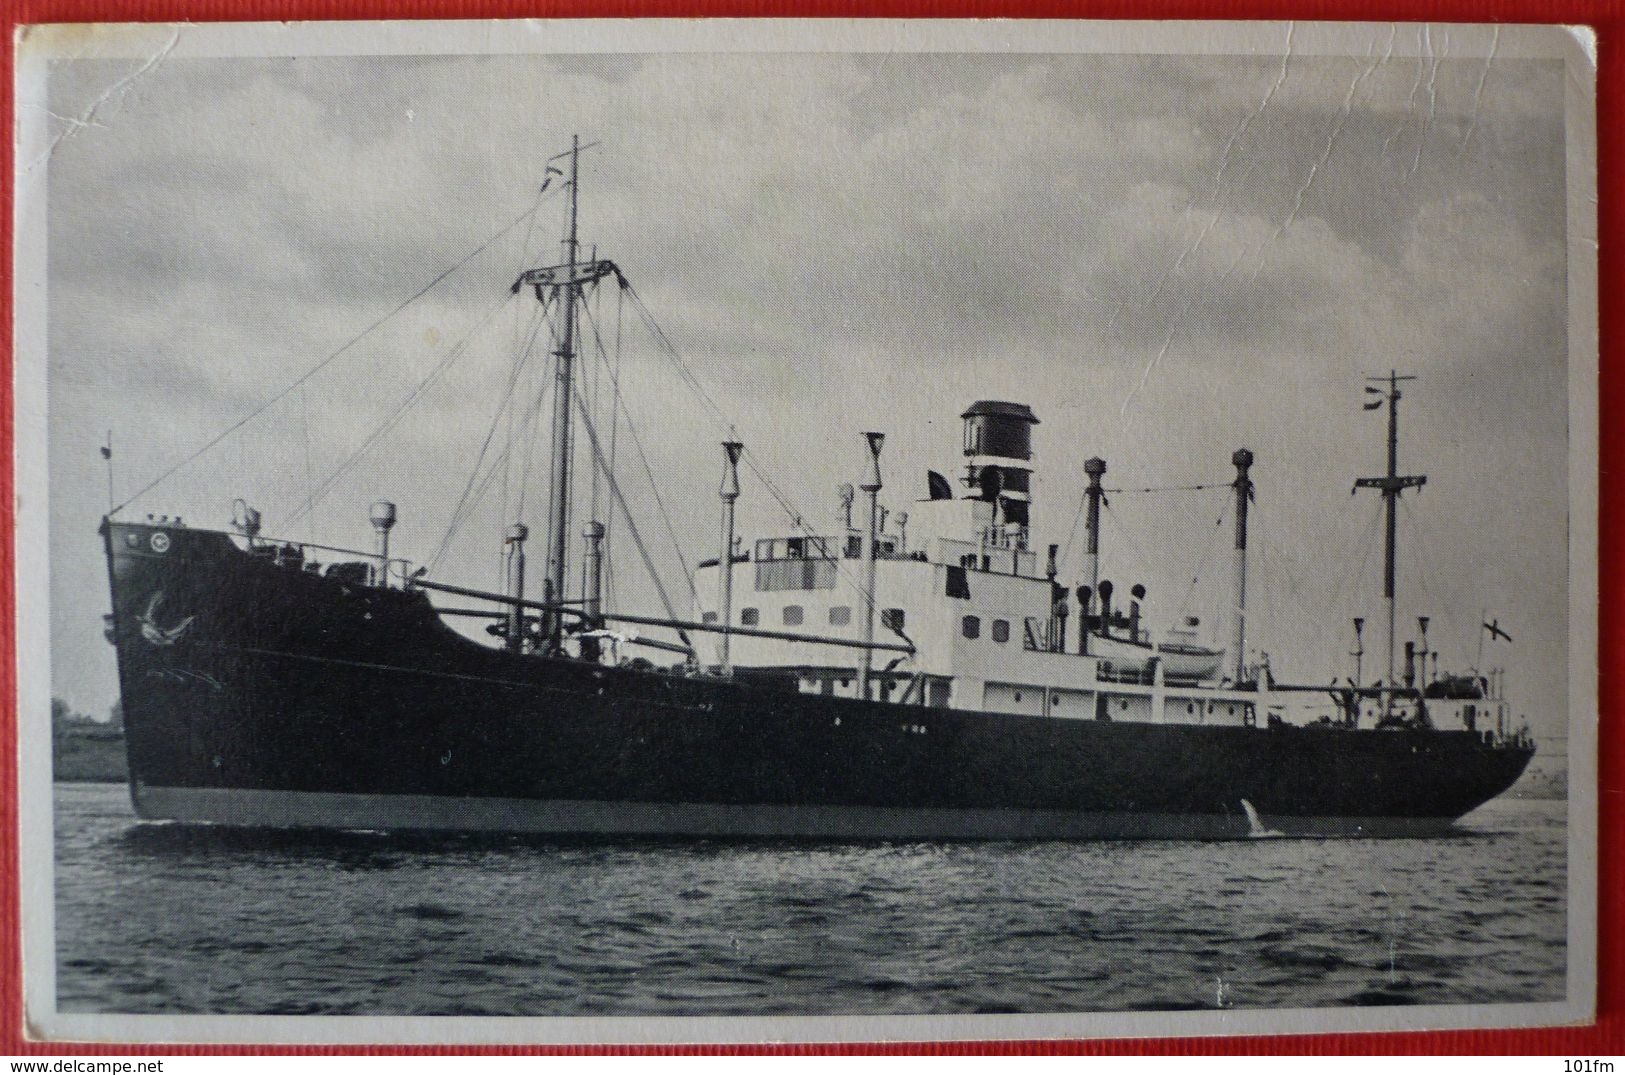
1605,1037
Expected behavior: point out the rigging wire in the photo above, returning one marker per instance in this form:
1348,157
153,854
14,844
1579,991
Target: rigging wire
530,427
614,431
748,457
323,364
1422,561
1134,554
592,391
654,486
406,405
1072,533
1367,543
523,345
1175,488
304,428
1208,547
505,407
626,512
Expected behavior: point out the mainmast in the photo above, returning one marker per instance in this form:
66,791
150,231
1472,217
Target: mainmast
563,283
1390,486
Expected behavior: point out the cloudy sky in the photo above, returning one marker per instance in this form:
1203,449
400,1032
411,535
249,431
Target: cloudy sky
1168,257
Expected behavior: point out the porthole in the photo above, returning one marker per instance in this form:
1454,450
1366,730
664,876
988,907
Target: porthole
1018,696
1123,704
1190,707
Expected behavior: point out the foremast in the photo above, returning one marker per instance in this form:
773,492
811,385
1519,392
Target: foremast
563,285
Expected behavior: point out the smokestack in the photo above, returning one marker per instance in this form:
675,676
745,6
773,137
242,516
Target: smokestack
383,520
592,567
517,533
1243,460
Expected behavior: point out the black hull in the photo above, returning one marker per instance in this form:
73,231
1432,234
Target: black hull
291,699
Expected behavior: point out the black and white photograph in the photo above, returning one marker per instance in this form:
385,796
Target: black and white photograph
660,531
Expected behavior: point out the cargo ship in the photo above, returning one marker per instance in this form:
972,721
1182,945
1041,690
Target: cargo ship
893,675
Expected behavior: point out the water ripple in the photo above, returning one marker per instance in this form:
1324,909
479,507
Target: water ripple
170,918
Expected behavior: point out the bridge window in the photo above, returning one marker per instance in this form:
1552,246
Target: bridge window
971,627
792,615
840,615
749,617
709,617
795,574
1001,631
892,618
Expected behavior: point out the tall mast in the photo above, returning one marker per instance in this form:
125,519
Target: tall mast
871,486
559,509
1390,486
563,283
1242,459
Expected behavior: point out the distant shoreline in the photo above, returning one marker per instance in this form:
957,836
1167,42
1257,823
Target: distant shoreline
89,759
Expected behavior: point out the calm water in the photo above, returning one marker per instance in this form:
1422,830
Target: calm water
162,918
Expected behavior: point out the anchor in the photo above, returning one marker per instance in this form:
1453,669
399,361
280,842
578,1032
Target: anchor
152,632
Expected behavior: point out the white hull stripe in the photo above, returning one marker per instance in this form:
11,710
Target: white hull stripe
329,810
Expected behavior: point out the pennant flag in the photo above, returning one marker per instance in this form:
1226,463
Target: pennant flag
107,453
1375,406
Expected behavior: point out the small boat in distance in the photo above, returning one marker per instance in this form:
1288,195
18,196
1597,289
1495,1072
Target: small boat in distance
918,675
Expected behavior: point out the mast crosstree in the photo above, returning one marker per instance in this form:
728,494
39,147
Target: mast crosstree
1390,486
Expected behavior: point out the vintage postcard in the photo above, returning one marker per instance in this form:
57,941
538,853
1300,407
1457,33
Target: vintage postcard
736,531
